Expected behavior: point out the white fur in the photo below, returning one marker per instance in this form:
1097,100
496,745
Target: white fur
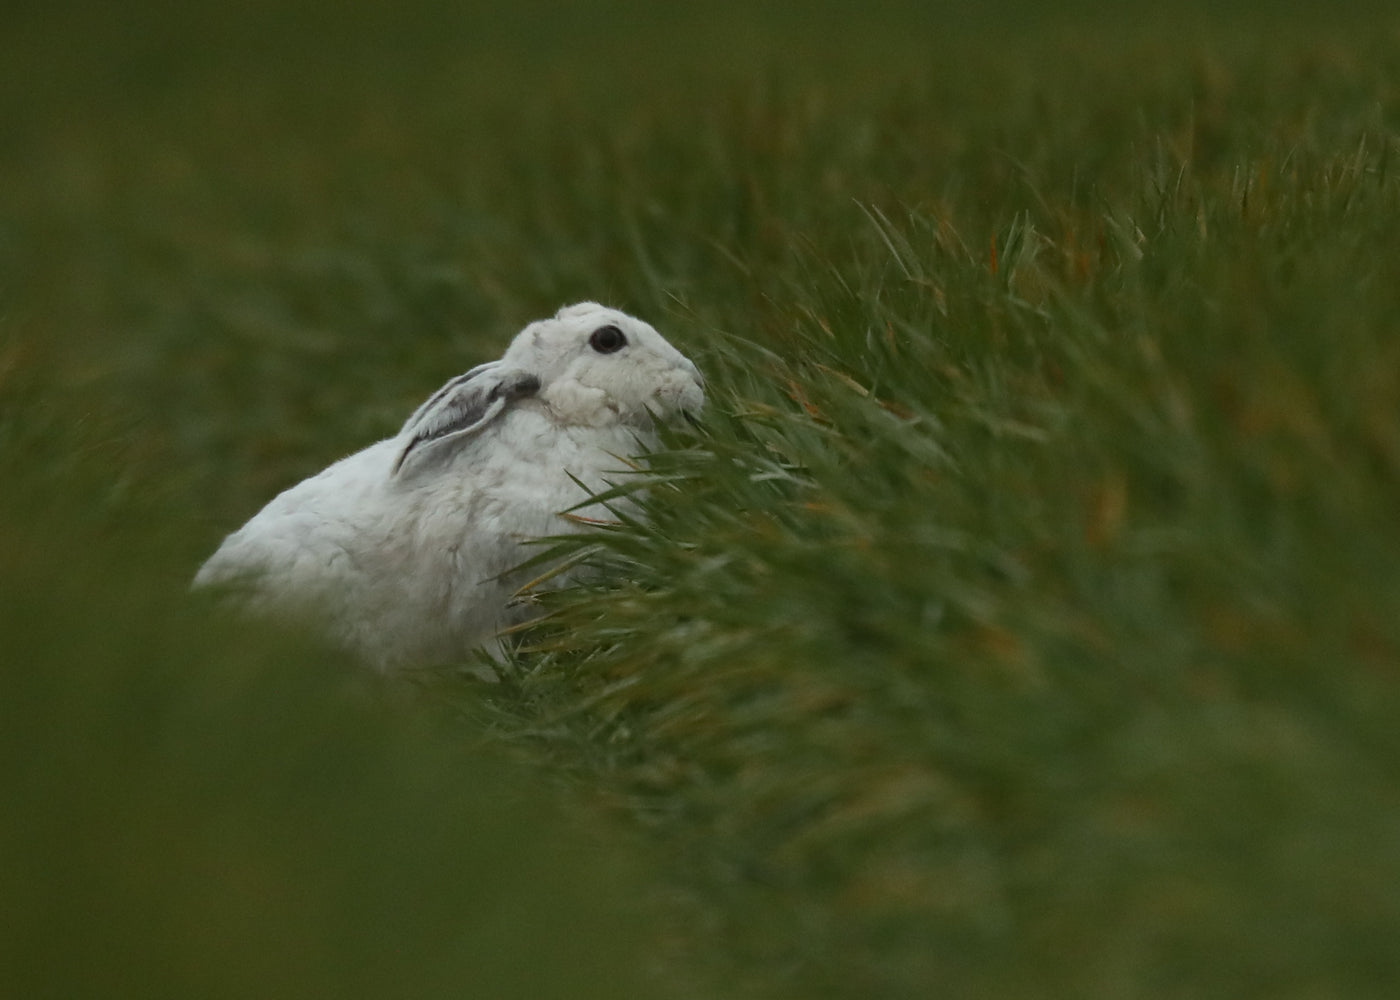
405,549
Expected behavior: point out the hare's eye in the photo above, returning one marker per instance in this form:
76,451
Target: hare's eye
607,339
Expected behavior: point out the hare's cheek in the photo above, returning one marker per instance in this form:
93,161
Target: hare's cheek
570,402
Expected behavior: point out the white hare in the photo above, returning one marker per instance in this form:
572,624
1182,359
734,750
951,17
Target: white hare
405,549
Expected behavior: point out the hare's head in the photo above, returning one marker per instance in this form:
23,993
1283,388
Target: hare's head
589,366
599,366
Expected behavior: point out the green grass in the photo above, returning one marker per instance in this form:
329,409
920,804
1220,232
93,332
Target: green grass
1022,618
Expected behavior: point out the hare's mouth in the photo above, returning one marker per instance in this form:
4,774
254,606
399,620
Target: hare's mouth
675,399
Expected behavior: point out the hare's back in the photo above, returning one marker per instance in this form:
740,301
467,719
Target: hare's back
305,530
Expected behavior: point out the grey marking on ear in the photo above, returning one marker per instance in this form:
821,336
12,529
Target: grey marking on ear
517,386
452,384
463,407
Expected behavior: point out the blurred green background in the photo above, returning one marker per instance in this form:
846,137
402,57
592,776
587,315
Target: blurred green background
1025,619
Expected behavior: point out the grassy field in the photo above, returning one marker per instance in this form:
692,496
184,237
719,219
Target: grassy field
1022,618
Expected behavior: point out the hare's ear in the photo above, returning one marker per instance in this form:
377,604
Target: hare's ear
462,408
